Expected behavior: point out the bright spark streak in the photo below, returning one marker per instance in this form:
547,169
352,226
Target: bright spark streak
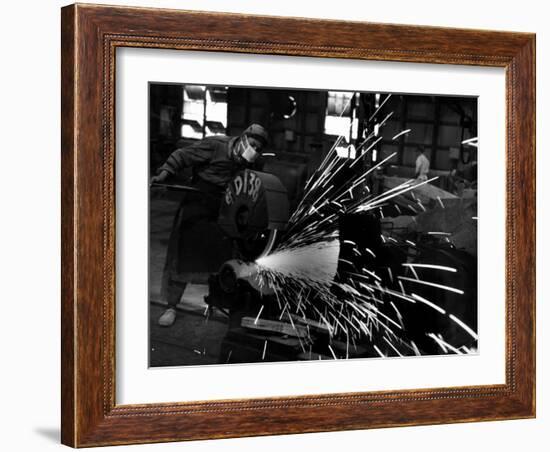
471,142
390,114
402,288
368,250
379,164
399,316
323,163
403,296
415,348
346,261
291,321
379,352
371,204
387,318
444,345
404,132
380,107
265,348
427,283
259,314
322,195
362,178
428,303
435,267
332,351
441,343
333,148
315,263
392,346
374,275
283,311
464,326
366,151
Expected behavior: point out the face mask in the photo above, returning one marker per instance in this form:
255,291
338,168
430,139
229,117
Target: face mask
246,151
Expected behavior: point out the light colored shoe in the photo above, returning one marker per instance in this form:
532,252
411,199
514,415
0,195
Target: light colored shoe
168,317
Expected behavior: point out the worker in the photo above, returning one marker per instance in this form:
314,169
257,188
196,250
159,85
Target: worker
214,162
422,164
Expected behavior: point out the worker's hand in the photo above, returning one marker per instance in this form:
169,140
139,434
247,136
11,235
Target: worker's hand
160,177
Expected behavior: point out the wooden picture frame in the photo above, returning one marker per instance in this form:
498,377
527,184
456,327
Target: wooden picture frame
90,37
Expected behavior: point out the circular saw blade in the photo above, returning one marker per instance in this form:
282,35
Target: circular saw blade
270,242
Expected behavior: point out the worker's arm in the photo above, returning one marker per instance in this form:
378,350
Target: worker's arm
160,177
425,167
197,154
418,166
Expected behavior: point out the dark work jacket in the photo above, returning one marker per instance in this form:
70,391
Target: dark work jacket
210,159
197,247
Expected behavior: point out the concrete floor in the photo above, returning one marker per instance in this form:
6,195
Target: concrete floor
192,340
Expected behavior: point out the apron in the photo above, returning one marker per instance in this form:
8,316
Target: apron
197,246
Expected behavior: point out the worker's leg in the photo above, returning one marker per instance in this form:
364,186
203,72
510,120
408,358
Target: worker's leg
174,292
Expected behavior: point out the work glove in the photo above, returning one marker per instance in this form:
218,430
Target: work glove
160,177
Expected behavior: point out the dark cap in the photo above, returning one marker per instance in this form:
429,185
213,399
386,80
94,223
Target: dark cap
258,132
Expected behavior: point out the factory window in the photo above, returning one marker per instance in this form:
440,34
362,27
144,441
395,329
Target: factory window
340,114
204,111
347,152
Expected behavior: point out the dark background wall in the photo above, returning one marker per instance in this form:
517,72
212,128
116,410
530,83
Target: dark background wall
437,123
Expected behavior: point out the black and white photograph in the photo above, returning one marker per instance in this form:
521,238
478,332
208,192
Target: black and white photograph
242,226
294,225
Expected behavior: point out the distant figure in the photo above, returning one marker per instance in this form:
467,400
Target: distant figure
422,165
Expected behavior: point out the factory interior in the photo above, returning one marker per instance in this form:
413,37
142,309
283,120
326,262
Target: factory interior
435,223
